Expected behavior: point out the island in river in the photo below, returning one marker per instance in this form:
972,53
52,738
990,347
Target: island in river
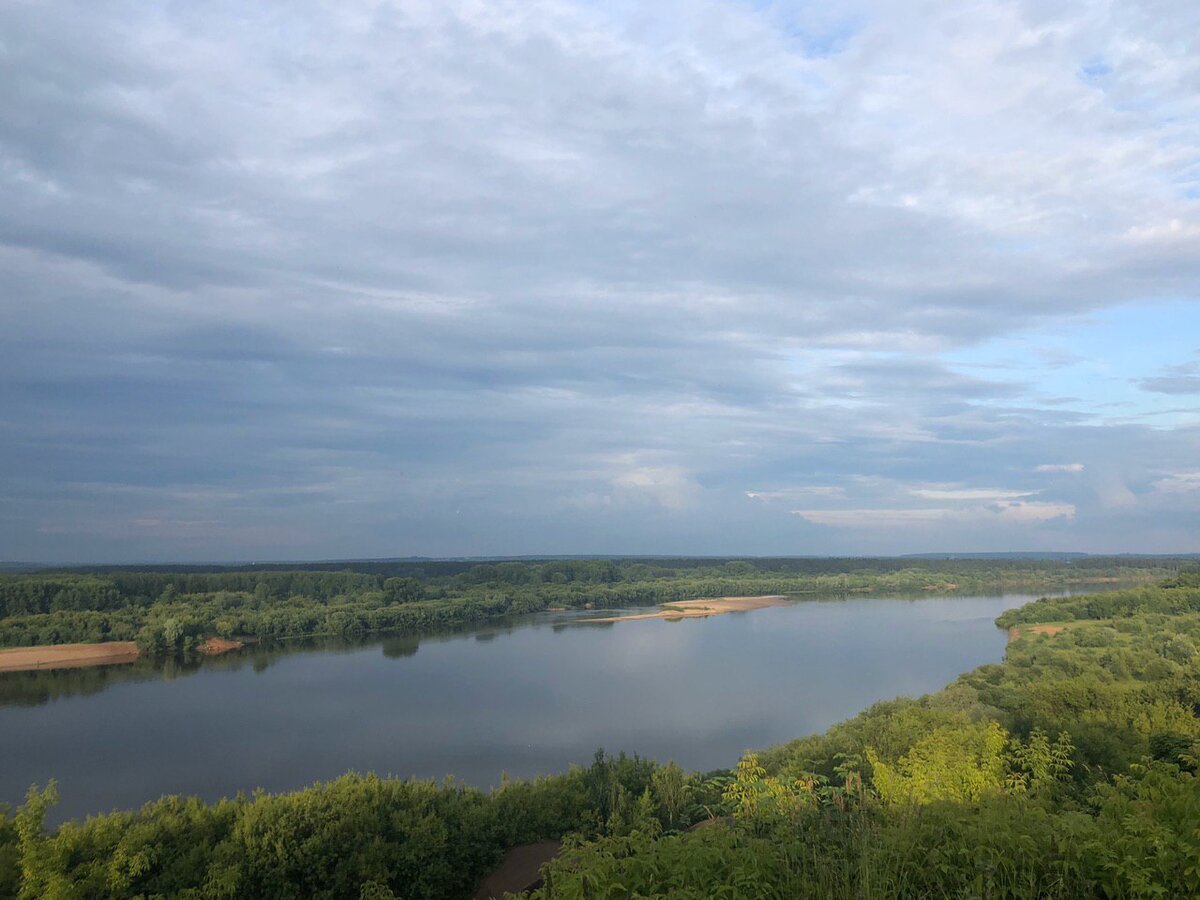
698,609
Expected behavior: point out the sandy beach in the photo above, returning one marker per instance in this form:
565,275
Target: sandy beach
68,656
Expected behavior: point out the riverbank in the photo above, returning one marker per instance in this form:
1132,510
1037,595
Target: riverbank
215,646
174,610
68,656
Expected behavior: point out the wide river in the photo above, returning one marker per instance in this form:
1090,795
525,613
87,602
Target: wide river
524,697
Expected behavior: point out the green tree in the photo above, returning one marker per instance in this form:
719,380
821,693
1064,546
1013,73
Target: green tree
673,795
762,799
1037,764
41,869
962,763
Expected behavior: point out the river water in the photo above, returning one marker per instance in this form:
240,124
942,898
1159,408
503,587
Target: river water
525,698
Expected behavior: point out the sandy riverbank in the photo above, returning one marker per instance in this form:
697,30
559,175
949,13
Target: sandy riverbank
697,609
215,646
68,656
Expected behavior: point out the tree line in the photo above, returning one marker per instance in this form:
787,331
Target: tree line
171,611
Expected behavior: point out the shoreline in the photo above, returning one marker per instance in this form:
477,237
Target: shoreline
47,657
82,655
68,656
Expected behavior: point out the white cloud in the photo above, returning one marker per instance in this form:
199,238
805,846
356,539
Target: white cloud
949,493
790,494
1060,467
1033,511
1176,231
1179,483
665,485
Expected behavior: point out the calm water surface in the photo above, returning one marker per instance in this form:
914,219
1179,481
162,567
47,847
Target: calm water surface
524,699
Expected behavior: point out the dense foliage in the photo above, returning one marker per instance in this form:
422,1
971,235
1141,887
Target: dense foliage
389,836
1069,771
169,611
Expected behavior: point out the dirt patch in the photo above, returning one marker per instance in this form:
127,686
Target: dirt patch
215,645
68,656
698,609
1017,630
520,872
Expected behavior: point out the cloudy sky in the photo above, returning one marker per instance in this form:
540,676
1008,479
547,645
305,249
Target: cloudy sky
310,280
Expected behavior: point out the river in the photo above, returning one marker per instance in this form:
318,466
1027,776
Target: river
525,698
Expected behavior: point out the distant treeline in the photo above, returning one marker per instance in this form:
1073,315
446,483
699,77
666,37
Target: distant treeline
667,566
1067,771
167,611
1172,597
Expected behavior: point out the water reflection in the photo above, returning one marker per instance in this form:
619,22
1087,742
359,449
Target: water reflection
39,687
42,686
527,696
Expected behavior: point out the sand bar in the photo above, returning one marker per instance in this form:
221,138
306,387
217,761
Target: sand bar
698,609
68,656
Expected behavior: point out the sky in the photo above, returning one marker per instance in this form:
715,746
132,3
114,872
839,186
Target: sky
375,279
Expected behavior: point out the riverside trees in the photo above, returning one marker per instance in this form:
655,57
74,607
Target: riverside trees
168,611
1067,771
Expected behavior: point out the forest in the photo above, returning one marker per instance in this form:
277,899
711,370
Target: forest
170,610
1069,770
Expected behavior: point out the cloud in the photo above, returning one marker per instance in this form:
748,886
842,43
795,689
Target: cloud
667,485
1173,231
791,494
1179,483
875,518
449,278
952,493
1033,511
1178,379
1006,511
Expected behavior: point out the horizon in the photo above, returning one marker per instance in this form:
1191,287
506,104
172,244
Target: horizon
447,280
931,555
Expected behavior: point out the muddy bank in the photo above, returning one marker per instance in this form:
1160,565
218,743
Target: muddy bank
68,656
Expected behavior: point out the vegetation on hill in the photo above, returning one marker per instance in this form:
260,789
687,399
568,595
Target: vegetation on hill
1067,771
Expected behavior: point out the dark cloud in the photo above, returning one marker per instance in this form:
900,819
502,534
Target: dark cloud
1181,379
1172,384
